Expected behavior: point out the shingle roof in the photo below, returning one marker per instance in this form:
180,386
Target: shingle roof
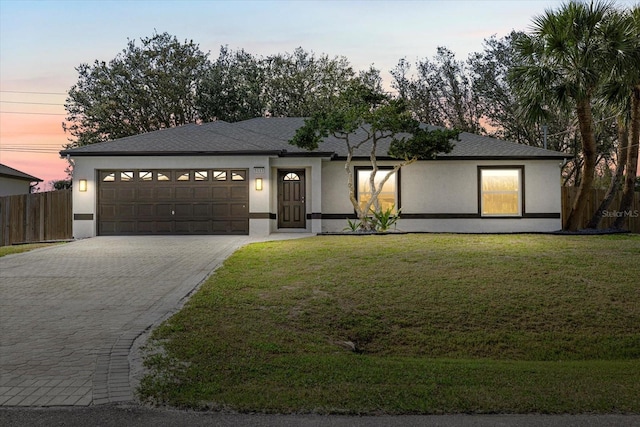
16,174
272,135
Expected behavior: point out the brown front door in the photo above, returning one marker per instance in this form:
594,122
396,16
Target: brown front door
291,210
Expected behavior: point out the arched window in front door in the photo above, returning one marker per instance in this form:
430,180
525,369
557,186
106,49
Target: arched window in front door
291,176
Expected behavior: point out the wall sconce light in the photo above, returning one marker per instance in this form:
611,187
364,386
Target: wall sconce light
258,184
82,185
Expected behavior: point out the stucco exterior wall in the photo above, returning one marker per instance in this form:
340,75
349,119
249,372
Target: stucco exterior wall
435,189
431,192
11,187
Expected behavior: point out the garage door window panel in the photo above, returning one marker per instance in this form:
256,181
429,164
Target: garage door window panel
107,176
238,175
182,176
145,176
201,175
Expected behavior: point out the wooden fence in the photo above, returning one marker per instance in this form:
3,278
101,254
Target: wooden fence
38,217
632,216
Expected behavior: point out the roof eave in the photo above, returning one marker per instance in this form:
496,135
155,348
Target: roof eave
21,178
329,154
493,158
169,153
545,157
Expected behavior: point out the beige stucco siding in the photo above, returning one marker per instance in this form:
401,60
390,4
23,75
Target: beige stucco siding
11,186
433,188
428,190
335,193
439,187
543,186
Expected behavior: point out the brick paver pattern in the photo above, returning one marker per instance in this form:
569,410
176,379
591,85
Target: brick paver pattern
69,314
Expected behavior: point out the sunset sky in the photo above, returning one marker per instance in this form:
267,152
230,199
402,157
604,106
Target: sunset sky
41,43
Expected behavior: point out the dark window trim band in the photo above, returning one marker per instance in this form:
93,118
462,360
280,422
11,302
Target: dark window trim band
83,217
541,215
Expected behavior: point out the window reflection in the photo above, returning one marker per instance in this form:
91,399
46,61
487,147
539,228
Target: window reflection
500,191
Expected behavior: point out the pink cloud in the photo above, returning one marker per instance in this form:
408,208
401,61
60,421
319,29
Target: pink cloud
30,143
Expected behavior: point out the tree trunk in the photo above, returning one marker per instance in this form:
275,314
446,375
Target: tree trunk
616,179
585,122
632,160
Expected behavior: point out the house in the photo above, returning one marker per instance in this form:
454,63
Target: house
245,178
13,181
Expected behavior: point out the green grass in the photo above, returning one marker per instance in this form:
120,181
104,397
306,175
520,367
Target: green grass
17,249
410,324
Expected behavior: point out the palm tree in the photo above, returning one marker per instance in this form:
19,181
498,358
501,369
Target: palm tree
622,93
632,78
566,59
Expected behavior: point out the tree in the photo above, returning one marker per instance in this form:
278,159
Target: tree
630,78
363,117
240,86
144,88
299,84
61,184
499,101
565,61
233,88
621,92
441,92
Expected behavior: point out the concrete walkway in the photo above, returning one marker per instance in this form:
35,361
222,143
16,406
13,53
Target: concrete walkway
69,314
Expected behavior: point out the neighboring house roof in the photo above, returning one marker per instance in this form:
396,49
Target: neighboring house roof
9,172
272,135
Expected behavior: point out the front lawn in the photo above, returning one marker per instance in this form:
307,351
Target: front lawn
18,249
410,324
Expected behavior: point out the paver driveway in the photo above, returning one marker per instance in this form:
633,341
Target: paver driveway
69,314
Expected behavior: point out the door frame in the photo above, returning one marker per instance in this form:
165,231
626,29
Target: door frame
301,172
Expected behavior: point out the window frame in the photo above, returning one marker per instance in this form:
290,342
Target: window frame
521,191
381,169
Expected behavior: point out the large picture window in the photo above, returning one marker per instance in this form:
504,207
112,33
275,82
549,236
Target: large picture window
388,197
501,191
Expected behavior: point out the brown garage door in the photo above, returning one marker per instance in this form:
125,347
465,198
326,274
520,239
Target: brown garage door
198,201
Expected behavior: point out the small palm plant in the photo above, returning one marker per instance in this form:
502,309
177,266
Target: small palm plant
380,221
353,226
384,220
